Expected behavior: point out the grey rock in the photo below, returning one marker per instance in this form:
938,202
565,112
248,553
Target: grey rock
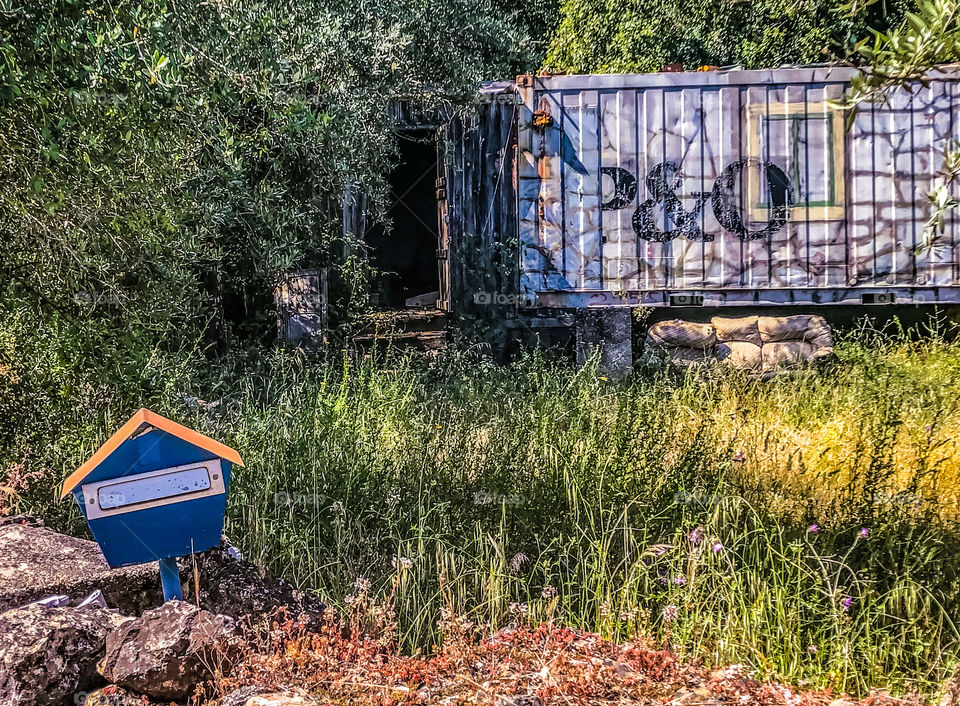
239,588
272,699
48,655
260,696
36,562
112,696
167,651
241,696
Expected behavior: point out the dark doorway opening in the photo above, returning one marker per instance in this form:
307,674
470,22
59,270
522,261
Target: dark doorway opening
405,252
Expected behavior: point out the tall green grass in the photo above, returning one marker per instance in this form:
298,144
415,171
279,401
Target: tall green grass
498,481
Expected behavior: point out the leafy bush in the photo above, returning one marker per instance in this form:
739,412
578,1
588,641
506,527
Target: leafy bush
607,36
161,164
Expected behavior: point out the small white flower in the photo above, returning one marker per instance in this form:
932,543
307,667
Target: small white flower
519,610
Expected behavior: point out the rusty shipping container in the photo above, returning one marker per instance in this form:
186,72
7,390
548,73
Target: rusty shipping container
712,188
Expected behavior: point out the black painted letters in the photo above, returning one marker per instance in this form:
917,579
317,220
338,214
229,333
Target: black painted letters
665,180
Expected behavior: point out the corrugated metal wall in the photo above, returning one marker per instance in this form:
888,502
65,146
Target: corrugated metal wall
743,186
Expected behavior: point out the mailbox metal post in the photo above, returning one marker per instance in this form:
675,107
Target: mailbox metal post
170,580
155,491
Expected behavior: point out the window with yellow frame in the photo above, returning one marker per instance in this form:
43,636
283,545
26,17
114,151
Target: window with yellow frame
806,140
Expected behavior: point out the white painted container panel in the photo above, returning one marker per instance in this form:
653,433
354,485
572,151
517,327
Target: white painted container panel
739,187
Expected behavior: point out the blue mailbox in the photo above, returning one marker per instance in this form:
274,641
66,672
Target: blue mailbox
154,491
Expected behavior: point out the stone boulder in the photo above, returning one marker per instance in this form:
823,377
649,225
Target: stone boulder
253,696
237,588
36,562
112,696
167,651
49,655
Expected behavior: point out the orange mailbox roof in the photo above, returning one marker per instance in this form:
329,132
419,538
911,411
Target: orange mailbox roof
147,418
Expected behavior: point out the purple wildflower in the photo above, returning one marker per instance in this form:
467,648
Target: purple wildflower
864,532
717,547
662,581
518,561
696,536
740,457
847,604
680,580
814,529
812,649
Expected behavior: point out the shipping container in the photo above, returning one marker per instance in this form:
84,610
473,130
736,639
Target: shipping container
551,195
731,187
708,188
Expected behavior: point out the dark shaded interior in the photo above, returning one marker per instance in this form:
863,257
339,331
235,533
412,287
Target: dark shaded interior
405,252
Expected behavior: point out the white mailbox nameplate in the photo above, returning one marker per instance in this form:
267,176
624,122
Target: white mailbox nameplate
153,489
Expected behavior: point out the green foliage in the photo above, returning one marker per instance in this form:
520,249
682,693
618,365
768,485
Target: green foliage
161,163
906,54
604,36
210,139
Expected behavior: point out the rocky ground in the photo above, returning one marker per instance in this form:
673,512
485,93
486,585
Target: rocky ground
254,641
124,639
